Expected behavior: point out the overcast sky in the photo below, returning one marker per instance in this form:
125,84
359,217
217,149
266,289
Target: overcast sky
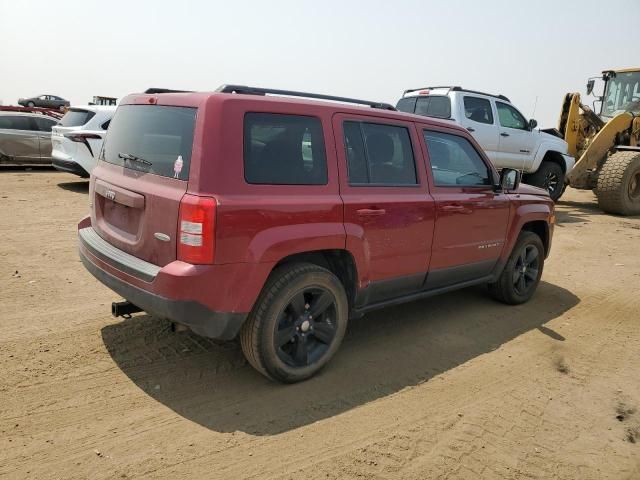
370,49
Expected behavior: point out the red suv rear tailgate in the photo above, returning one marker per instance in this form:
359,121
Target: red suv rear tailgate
136,212
142,176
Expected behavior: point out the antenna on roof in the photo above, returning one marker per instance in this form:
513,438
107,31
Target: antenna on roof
534,107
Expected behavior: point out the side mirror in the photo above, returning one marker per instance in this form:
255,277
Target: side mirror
590,85
509,179
533,124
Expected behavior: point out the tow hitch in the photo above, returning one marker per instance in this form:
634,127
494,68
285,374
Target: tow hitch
124,309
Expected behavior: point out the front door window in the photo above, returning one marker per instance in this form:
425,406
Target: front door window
510,117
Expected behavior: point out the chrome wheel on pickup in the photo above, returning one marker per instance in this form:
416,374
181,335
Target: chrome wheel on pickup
550,177
551,183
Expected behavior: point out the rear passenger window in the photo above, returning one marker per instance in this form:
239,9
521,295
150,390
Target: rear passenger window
478,110
44,124
379,154
434,106
284,150
454,161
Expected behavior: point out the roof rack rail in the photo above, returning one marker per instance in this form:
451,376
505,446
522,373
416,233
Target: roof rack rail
242,89
457,89
165,90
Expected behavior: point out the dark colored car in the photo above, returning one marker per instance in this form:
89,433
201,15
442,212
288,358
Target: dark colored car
278,219
25,138
45,101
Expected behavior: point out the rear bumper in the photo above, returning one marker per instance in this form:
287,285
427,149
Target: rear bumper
219,325
69,166
113,267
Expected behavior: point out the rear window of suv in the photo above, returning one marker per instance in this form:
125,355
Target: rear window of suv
151,138
76,117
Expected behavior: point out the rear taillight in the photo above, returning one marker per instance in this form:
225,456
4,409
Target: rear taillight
82,138
196,229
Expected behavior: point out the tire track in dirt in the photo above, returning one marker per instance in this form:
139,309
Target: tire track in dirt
462,455
502,380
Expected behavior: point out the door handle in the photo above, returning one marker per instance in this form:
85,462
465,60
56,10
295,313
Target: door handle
371,212
504,134
456,209
471,129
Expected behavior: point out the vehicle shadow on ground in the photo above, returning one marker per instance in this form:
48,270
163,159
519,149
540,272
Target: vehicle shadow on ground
571,216
575,212
80,186
27,168
384,352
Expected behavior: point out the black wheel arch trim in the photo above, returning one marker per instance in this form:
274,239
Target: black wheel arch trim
553,156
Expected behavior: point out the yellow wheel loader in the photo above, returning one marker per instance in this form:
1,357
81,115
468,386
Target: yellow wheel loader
607,143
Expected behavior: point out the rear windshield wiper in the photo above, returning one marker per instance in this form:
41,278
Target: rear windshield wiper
133,158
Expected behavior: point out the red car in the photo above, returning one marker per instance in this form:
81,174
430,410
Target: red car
240,212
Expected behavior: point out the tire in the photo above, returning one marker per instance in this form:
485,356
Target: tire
31,104
549,177
508,288
61,108
283,338
618,188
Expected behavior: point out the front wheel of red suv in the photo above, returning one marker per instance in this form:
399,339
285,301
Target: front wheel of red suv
297,323
521,274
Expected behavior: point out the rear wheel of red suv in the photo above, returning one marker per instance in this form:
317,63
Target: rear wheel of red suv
521,274
297,324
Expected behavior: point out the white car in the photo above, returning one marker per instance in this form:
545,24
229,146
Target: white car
78,136
508,139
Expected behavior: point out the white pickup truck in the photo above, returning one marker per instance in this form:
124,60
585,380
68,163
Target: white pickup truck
508,139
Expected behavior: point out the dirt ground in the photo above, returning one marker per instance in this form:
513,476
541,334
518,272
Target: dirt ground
456,386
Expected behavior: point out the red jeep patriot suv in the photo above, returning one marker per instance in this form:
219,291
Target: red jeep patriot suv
241,212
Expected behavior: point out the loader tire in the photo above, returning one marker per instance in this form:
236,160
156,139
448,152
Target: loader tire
618,188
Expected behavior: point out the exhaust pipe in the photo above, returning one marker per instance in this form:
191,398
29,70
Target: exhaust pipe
124,309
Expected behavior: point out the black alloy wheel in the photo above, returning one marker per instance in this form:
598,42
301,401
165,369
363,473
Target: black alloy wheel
551,183
297,323
525,272
521,274
306,327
